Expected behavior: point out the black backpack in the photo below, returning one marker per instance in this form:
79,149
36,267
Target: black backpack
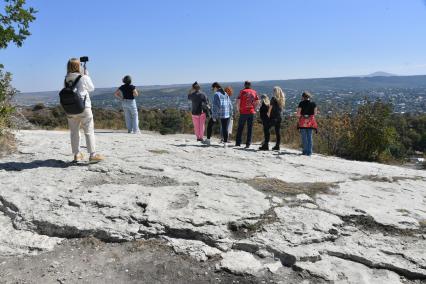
70,100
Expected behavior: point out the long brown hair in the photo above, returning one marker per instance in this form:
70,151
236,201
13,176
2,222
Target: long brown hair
73,66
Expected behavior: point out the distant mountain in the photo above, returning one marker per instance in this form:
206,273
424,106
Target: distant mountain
380,74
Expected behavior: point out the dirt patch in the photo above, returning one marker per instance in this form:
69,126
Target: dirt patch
376,178
367,223
145,180
92,261
247,228
282,188
158,151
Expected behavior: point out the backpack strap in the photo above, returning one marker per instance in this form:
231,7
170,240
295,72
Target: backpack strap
75,82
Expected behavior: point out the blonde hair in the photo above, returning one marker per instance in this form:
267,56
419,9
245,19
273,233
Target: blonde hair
265,99
73,65
280,96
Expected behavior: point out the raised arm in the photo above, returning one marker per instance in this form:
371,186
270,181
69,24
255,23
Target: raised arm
87,83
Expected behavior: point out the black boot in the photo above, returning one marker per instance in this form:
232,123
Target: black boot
276,148
264,147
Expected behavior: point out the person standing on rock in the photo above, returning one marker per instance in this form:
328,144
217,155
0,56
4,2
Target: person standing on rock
127,94
83,87
221,112
229,91
275,110
263,112
306,112
199,110
247,103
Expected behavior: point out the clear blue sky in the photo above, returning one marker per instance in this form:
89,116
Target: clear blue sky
169,41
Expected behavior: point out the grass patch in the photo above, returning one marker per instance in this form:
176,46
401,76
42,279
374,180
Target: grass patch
279,187
7,143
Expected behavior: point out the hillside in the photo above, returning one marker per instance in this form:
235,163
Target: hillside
343,92
272,216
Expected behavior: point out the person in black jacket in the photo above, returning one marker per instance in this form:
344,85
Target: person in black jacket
199,110
275,110
127,94
263,112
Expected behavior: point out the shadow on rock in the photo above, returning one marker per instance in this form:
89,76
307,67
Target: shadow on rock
21,166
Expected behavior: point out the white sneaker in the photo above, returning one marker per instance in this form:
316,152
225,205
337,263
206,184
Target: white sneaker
225,145
207,142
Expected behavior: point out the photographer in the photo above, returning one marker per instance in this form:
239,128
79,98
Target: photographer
83,86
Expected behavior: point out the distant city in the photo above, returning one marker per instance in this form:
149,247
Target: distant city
406,93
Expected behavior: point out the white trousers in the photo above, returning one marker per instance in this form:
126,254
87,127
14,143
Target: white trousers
84,119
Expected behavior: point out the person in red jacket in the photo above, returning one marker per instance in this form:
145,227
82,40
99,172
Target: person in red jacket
306,111
247,103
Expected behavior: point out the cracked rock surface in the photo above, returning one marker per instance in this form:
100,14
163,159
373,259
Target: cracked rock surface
254,213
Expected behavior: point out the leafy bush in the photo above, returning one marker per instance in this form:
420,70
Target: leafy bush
6,93
373,133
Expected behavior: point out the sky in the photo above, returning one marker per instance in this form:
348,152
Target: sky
171,42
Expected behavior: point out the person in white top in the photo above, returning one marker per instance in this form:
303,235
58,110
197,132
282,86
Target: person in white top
85,119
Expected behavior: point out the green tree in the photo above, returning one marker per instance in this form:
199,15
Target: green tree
373,135
15,22
6,93
14,28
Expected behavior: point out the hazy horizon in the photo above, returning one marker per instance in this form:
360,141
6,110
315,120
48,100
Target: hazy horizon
169,42
231,82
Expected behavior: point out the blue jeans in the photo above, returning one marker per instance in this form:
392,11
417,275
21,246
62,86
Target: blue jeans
249,118
307,144
131,115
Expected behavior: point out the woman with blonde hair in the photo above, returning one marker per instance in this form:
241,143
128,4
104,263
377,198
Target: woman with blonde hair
82,85
275,110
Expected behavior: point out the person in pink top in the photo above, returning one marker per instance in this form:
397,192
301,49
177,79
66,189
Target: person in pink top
247,103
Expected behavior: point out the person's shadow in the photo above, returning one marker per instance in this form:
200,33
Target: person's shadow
20,166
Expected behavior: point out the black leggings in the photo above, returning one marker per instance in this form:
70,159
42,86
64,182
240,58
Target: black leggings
267,124
224,122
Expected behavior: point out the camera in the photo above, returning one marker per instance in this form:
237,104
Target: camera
84,59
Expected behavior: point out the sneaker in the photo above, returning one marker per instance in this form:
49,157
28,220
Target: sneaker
207,142
199,140
96,158
78,158
264,148
225,145
276,148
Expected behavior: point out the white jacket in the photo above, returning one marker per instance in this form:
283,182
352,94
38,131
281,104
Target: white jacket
84,86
